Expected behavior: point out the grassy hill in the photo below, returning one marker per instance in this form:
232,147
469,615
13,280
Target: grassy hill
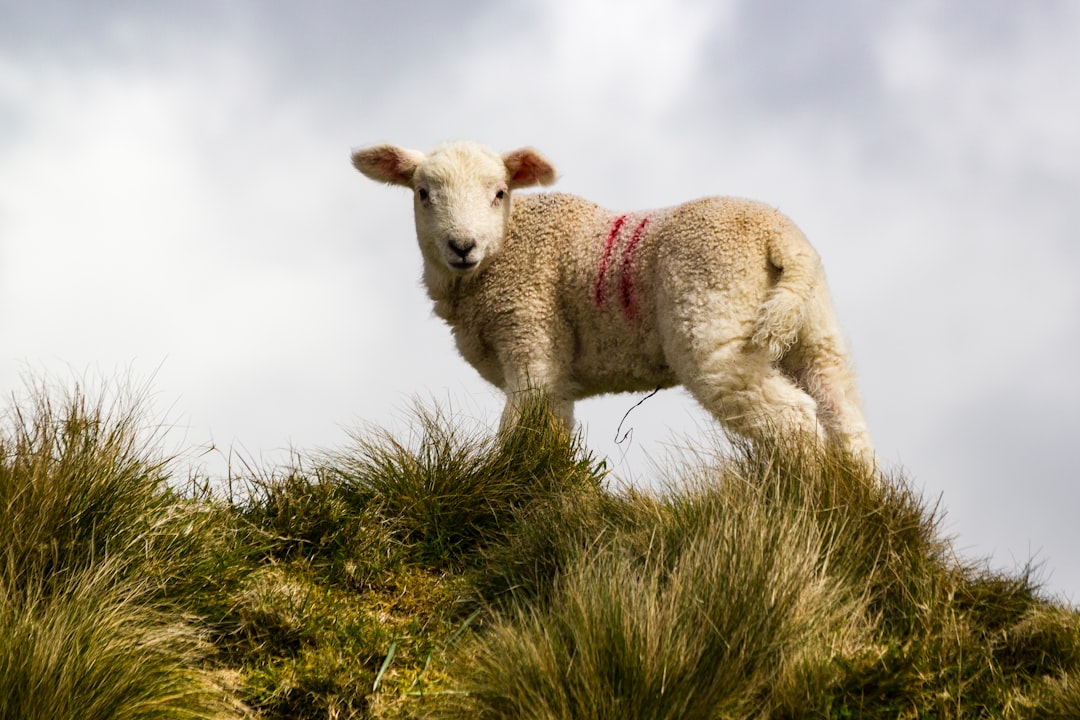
450,574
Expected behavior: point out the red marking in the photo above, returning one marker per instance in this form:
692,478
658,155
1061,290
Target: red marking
627,291
605,260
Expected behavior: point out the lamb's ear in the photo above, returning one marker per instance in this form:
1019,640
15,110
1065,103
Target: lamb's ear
388,163
526,167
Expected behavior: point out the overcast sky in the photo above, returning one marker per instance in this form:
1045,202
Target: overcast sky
177,204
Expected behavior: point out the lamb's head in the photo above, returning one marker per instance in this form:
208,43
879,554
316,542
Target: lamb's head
461,196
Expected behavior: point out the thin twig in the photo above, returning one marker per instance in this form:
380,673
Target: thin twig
630,432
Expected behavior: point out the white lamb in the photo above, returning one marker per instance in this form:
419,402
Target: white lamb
722,295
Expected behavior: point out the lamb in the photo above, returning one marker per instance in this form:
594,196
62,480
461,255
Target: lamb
722,295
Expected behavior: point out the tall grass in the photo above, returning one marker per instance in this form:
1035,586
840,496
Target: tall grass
87,647
782,581
448,493
396,522
629,636
70,478
100,560
82,480
494,575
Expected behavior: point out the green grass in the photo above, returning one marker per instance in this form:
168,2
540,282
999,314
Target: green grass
462,574
90,646
102,571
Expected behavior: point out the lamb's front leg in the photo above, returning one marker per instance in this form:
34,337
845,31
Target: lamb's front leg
527,385
563,409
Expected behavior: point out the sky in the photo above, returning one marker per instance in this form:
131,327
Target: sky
178,208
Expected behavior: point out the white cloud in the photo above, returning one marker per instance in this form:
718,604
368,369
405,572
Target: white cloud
193,208
178,216
636,58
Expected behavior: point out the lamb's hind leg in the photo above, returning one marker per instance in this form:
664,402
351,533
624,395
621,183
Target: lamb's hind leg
824,371
735,381
819,363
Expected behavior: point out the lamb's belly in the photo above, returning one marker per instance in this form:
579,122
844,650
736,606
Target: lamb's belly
620,368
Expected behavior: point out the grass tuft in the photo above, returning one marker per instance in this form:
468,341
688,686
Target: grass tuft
101,564
778,581
87,647
447,494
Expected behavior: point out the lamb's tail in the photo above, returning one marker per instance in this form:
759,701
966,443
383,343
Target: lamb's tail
788,304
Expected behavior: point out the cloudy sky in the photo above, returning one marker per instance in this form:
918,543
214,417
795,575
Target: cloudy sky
177,205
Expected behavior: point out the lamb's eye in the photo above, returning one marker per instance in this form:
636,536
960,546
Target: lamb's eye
423,194
500,195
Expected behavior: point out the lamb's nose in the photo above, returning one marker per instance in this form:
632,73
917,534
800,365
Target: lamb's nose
461,248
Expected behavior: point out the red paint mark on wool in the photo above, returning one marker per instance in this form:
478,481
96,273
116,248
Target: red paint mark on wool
605,261
627,289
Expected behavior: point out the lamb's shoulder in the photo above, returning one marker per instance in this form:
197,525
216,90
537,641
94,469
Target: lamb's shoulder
548,223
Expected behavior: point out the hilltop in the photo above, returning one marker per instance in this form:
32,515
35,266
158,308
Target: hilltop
459,574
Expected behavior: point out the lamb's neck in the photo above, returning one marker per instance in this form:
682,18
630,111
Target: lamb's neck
444,291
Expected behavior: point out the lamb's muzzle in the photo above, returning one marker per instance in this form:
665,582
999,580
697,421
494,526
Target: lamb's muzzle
462,249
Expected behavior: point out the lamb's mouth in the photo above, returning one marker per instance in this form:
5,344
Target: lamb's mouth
463,265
